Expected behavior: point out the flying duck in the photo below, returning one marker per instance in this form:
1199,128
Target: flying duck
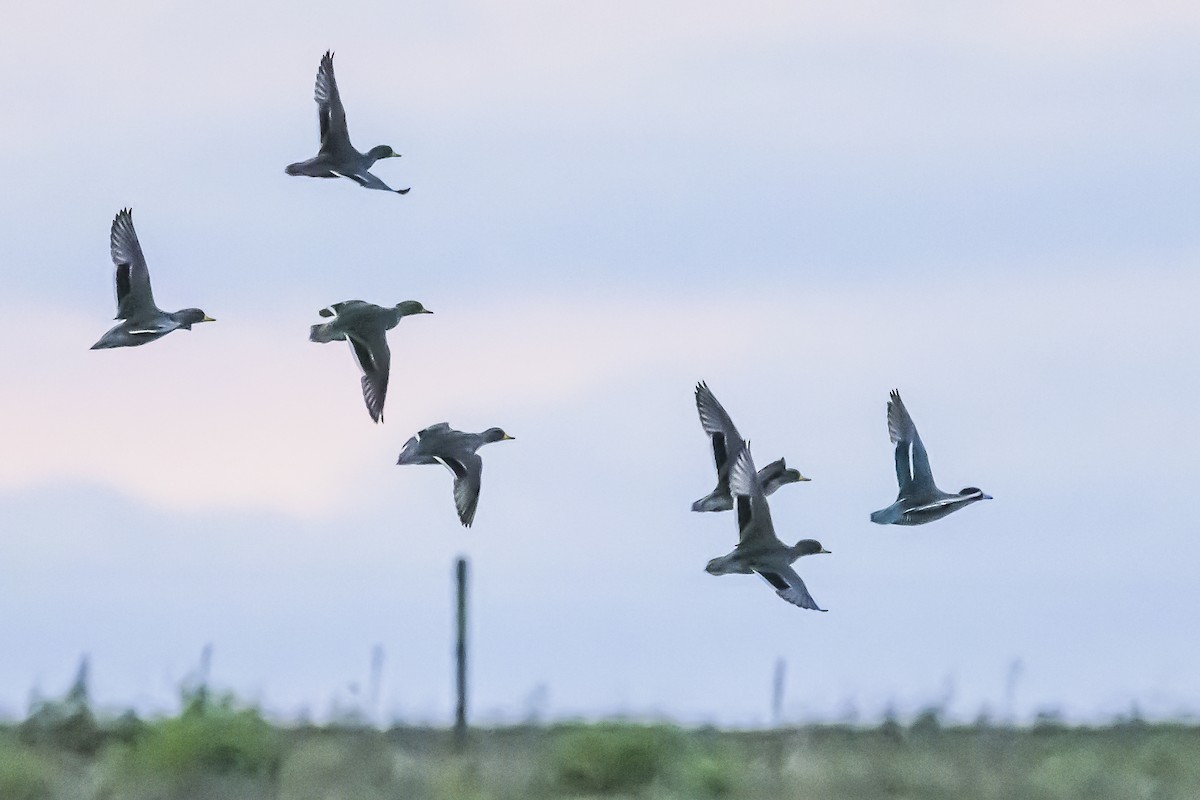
726,443
759,549
455,450
337,157
920,500
141,320
365,326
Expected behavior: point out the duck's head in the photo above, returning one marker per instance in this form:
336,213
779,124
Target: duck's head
776,474
190,316
972,490
496,435
382,151
808,547
410,307
790,475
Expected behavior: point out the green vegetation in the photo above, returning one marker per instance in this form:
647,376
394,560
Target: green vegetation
207,741
24,775
612,759
226,753
216,749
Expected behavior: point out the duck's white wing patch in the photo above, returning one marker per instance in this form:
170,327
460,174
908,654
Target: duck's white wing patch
952,500
454,470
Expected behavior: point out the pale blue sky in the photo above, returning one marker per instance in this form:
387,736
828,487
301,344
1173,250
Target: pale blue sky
804,204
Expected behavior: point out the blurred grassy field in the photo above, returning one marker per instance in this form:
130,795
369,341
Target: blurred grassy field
217,750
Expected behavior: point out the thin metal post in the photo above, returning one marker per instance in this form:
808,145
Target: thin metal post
460,655
777,692
776,751
375,686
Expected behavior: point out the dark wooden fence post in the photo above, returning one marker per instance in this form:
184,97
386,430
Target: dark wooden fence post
460,656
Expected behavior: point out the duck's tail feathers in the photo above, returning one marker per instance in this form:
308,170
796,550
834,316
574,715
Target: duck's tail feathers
885,516
324,333
713,502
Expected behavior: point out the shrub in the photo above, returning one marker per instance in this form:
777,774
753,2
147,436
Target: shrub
332,768
713,774
62,726
23,774
67,723
217,740
612,758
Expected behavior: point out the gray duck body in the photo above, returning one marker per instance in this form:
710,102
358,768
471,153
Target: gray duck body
726,444
365,326
759,550
337,156
142,321
455,450
919,500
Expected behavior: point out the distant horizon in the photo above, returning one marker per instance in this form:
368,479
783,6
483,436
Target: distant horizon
345,706
345,711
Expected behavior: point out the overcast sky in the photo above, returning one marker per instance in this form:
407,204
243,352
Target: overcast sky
991,207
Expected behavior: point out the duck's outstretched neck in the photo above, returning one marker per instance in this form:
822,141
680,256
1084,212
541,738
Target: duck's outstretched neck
379,152
805,547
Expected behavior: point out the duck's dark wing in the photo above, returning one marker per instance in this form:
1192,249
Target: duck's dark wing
335,137
339,308
716,423
134,298
754,514
468,472
368,181
912,462
419,449
790,587
434,430
374,359
745,515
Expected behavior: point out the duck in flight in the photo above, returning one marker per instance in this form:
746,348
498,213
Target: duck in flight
365,326
337,157
726,444
141,320
920,500
455,450
759,549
